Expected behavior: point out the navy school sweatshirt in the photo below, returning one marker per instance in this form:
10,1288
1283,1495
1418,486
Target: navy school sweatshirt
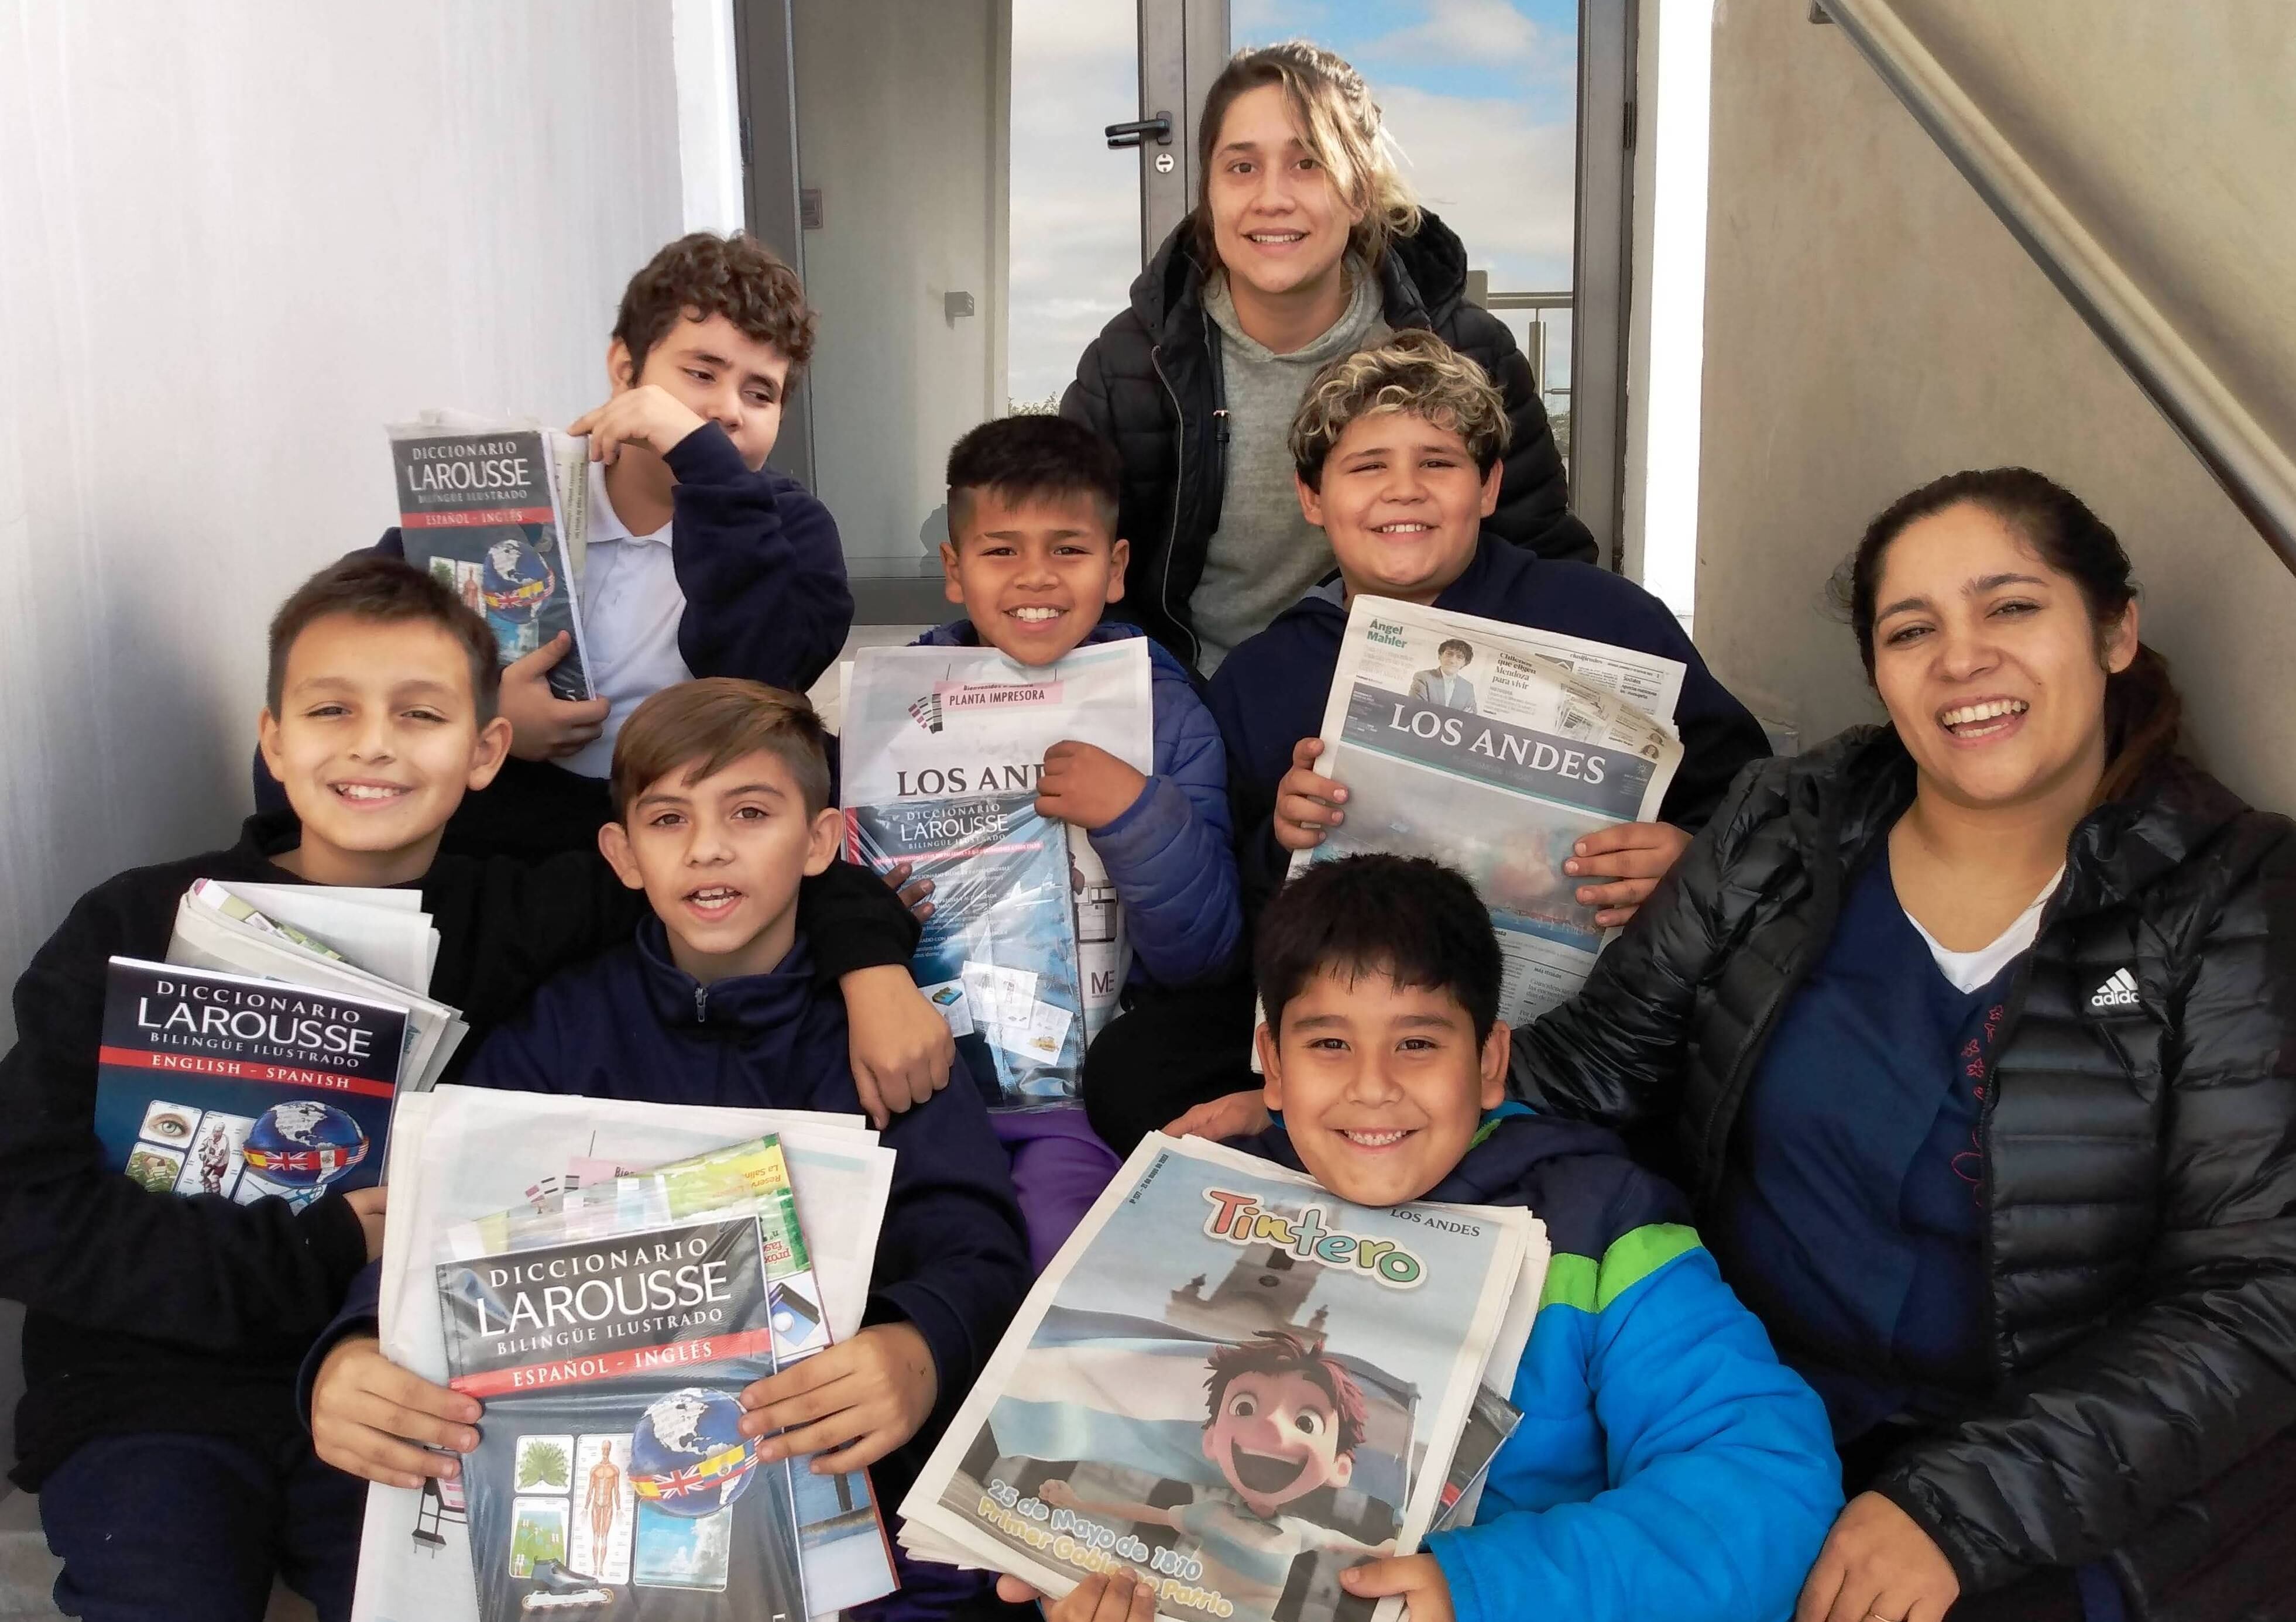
762,570
157,1312
951,1257
1269,693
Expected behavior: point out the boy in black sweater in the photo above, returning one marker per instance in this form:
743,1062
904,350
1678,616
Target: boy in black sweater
721,799
163,1333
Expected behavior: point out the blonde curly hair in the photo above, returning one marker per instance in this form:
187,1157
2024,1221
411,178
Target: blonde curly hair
1339,123
1412,371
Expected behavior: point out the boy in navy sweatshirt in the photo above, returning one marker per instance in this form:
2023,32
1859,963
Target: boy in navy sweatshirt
721,805
701,559
1034,557
1667,1464
160,1347
1397,450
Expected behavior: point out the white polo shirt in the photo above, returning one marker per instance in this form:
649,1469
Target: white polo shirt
631,605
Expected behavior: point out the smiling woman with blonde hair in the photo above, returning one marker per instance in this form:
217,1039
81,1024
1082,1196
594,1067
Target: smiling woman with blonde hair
1305,244
1976,1033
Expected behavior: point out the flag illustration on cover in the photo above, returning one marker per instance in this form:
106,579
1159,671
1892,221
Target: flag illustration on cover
217,1083
1231,1382
943,748
612,1476
481,512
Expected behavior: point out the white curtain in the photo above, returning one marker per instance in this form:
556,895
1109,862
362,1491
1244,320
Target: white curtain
2144,153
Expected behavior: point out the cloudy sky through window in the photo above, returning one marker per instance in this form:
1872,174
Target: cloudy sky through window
1479,96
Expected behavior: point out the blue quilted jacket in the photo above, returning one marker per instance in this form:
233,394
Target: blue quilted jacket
1668,1465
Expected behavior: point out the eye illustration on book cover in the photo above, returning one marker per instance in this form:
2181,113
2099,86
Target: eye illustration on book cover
611,1478
247,1089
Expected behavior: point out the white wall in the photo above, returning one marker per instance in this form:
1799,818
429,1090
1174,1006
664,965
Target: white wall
241,237
900,110
1870,324
238,238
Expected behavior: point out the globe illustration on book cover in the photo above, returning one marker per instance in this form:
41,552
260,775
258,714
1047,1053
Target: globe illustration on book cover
688,1455
304,1144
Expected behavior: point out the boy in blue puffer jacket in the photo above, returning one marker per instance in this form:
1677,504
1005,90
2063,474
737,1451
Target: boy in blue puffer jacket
1667,1465
1034,557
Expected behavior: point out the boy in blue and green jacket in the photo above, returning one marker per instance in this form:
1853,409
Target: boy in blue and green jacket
1667,1465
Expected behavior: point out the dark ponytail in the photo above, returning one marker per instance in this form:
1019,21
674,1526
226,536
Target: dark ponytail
2143,714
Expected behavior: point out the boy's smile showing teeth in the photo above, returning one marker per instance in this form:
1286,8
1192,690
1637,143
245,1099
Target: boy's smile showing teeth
369,793
713,901
1037,614
1370,1137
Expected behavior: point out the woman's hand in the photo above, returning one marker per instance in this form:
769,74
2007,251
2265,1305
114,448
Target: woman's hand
1634,855
1306,802
900,1047
1115,1596
1878,1563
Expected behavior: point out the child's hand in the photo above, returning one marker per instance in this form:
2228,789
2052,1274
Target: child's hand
915,893
648,415
1634,855
1307,803
543,727
1113,1596
1086,786
852,1404
900,1046
1418,1577
1238,1115
367,1415
366,1205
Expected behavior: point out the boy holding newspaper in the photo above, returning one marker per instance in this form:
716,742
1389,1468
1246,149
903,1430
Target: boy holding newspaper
1667,1463
1397,451
721,801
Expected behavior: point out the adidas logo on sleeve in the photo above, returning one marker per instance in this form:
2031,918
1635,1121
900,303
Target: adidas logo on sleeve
2119,992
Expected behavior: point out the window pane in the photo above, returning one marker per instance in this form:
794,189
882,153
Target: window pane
1075,206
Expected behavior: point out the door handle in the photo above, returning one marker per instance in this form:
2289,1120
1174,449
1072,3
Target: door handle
1135,134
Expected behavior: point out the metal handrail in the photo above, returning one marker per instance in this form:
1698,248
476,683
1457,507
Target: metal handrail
1527,301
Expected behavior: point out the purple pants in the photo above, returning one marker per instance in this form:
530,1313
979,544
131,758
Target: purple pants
1059,1167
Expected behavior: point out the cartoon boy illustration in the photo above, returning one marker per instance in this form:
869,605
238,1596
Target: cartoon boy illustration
1444,684
1284,1421
519,581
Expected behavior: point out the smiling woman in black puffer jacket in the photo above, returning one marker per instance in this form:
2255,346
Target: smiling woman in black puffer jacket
1975,1038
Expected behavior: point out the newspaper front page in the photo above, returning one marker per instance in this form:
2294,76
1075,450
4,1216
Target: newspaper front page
1025,952
1233,1383
1491,748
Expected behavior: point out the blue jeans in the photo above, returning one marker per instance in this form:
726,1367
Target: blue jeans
194,1528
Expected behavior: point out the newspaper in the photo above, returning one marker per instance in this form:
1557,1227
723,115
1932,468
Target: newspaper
1465,739
218,927
470,1154
1025,952
1122,1422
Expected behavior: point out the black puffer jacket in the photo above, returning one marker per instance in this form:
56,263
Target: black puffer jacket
1150,384
2140,1160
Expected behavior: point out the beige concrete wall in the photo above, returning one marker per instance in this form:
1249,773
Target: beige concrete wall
1870,324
